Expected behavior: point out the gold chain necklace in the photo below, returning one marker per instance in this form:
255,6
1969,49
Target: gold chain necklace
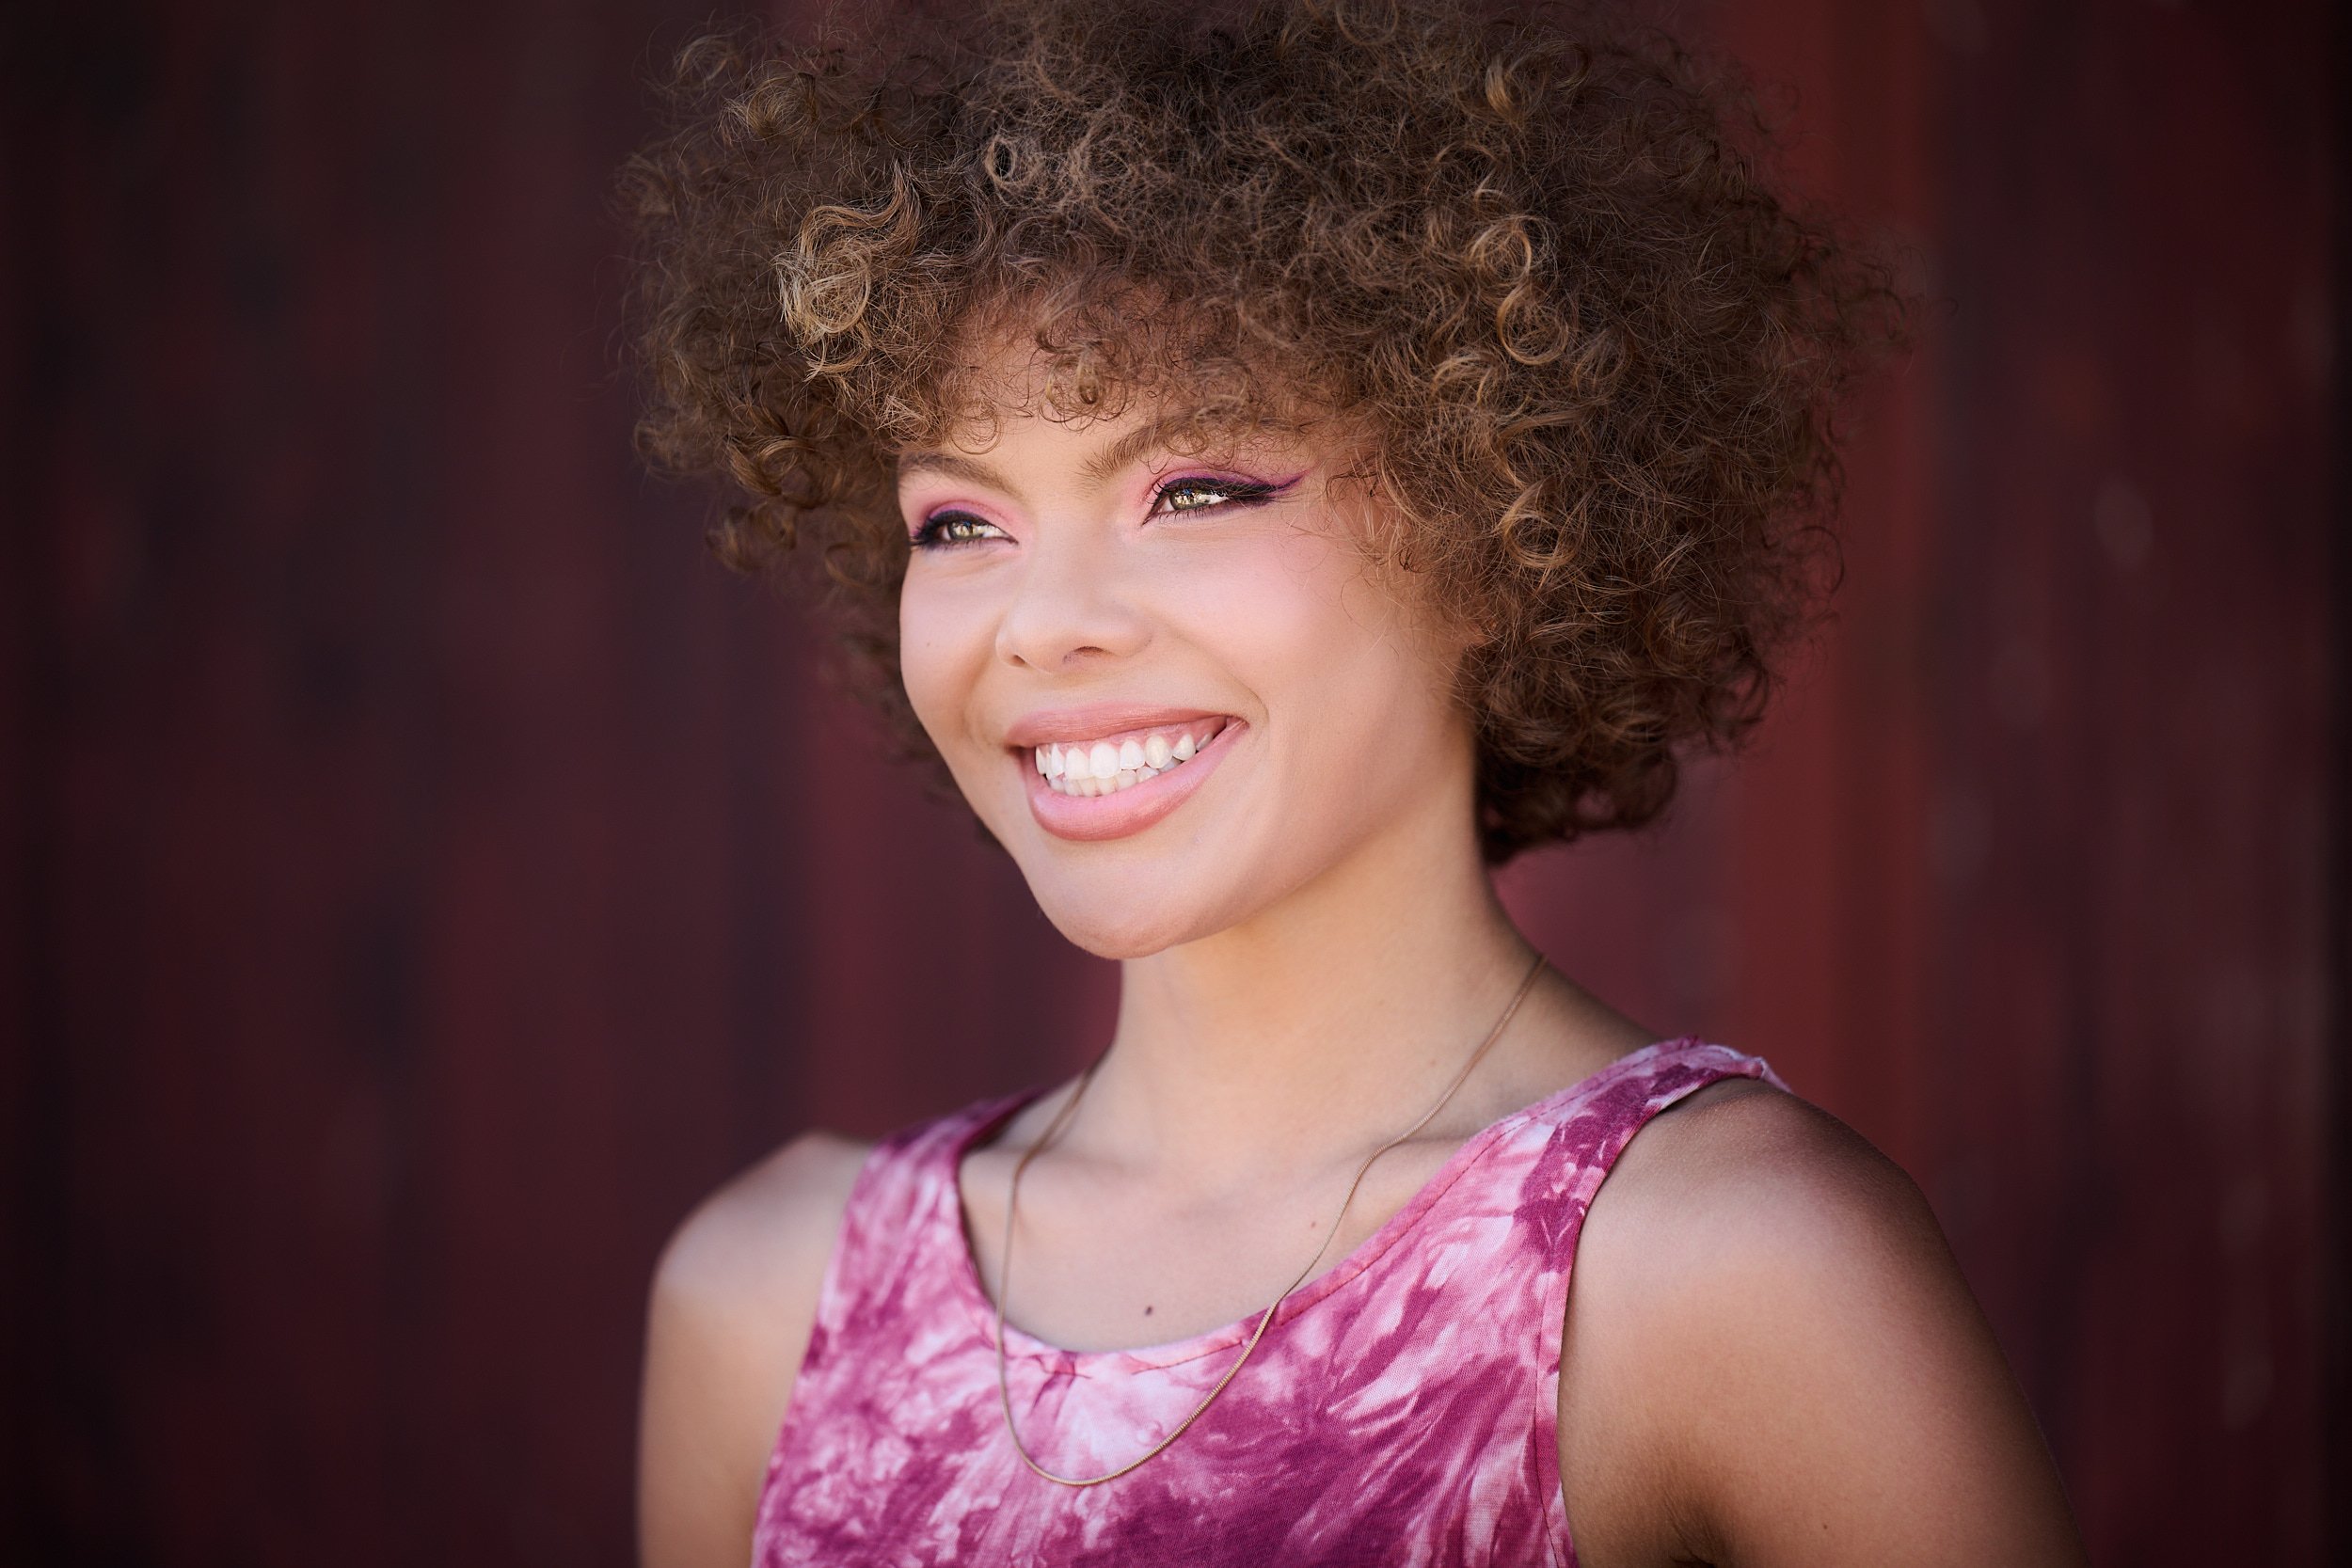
1054,1130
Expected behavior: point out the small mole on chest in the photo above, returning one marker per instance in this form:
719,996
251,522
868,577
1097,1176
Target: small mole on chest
1147,1311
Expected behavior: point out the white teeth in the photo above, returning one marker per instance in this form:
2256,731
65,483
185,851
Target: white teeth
1106,768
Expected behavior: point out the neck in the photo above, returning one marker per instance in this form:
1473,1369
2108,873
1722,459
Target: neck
1335,1015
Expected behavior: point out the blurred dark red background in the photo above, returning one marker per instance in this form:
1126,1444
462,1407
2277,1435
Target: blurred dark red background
429,873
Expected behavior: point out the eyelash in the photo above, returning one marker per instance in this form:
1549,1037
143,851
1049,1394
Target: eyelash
1233,492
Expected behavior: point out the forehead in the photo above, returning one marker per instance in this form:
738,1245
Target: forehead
1109,445
1116,427
1106,357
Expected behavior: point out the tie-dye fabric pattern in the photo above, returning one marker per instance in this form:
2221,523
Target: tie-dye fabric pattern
1401,1410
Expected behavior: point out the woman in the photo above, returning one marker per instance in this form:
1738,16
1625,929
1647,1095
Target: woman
1286,463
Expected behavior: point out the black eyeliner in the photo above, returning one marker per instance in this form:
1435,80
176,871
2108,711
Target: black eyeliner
1245,492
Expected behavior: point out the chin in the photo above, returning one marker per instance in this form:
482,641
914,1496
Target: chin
1123,898
1111,919
1175,884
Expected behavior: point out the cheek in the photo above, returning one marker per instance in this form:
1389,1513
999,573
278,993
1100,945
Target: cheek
1358,689
1343,665
944,637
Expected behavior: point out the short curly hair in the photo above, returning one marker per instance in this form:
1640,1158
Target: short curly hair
1595,358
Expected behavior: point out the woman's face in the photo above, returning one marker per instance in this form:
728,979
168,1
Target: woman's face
1171,687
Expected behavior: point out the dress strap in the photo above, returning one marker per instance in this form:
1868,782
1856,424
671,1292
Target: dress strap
904,1194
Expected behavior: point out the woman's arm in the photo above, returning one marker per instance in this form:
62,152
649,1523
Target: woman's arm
733,1298
1771,1358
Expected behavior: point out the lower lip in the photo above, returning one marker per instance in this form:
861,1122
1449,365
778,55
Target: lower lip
1090,818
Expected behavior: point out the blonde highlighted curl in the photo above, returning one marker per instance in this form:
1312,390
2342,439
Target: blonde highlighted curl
1593,358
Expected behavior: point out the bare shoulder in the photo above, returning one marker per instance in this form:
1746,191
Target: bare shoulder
762,1230
733,1301
1767,1323
1743,1174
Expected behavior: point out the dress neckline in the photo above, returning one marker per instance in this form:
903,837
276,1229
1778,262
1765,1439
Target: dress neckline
986,1119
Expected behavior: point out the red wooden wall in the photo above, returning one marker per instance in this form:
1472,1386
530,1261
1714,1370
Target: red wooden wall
428,873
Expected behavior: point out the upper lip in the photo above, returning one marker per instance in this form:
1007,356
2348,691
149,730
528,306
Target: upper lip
1094,720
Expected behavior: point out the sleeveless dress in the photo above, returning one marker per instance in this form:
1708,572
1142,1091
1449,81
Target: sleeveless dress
1402,1408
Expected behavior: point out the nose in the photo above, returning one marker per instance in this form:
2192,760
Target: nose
1072,605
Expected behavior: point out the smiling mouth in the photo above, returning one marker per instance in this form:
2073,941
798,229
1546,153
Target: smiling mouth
1114,763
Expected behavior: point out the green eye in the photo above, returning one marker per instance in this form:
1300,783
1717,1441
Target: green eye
955,527
1191,497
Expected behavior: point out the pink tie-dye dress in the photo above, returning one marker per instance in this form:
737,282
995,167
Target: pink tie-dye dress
1400,1409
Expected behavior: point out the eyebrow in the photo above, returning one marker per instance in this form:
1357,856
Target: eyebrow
1095,470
